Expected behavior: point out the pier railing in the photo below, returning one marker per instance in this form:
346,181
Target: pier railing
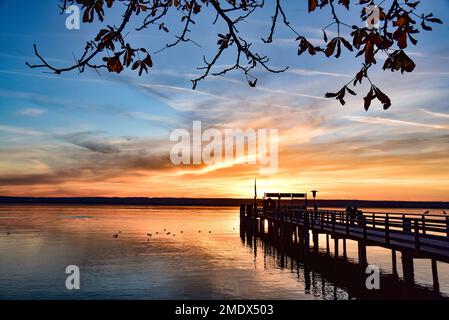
426,235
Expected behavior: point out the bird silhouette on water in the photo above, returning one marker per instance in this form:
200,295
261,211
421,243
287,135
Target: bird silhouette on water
115,235
427,212
7,233
445,213
168,233
149,234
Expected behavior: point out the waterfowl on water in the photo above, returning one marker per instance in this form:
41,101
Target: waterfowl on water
7,233
115,235
168,233
427,212
149,234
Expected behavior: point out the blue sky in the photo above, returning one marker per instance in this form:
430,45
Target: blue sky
85,134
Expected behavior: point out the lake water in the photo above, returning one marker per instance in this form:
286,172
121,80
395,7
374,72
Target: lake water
202,257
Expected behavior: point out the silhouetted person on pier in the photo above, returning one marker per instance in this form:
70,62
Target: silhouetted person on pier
351,214
358,214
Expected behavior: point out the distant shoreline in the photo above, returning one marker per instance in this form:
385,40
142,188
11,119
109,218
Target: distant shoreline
219,202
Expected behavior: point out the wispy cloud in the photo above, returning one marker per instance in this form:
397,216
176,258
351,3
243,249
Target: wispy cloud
19,130
436,114
183,89
151,117
31,112
305,72
386,121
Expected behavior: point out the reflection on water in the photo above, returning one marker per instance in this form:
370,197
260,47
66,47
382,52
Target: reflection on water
192,253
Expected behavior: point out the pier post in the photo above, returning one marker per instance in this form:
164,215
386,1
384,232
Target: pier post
243,219
262,225
416,227
333,222
394,263
306,231
407,268
306,239
307,280
347,222
365,233
270,227
281,227
249,212
327,244
423,224
363,262
345,255
407,258
387,229
447,226
315,241
436,283
336,247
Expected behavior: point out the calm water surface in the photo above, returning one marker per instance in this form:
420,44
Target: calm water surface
203,257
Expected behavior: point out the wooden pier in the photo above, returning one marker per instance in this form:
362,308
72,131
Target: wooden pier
415,236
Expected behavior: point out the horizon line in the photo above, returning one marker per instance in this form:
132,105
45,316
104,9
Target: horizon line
212,198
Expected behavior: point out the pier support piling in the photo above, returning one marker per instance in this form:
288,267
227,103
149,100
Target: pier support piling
407,268
394,263
306,239
436,283
363,262
336,247
315,241
262,226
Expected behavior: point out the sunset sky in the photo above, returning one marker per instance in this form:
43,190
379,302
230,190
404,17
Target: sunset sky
90,135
